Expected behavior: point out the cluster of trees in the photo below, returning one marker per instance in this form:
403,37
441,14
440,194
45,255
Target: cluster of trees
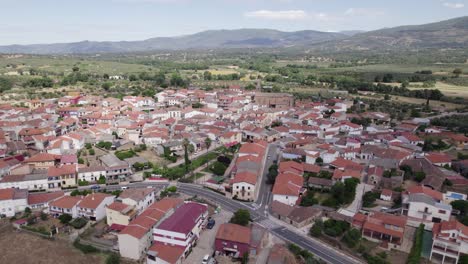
369,198
302,254
39,82
418,176
74,78
208,76
5,84
272,173
461,206
125,154
241,217
309,199
104,144
457,123
342,193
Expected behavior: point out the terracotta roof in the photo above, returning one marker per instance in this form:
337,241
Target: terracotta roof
245,176
137,194
438,157
288,184
40,198
13,194
339,174
168,253
234,233
143,223
291,166
426,190
63,170
43,157
67,202
92,201
118,206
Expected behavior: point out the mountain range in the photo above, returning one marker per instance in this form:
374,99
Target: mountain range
451,33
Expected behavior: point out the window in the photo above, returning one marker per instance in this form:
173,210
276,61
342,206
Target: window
442,212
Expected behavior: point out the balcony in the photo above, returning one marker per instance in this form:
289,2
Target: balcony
446,251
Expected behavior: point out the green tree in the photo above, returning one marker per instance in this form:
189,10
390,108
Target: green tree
186,143
5,84
207,76
218,168
316,229
65,218
419,176
457,71
208,143
102,179
113,259
241,217
106,86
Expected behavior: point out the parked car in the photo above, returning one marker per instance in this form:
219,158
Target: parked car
211,223
124,187
205,259
95,187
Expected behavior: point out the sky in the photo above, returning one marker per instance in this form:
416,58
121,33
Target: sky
54,21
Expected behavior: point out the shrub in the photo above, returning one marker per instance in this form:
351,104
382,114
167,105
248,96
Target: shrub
241,217
79,223
113,259
352,237
43,216
87,249
102,180
65,218
218,168
415,253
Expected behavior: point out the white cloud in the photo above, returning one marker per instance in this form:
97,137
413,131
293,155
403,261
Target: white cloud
277,15
454,5
369,12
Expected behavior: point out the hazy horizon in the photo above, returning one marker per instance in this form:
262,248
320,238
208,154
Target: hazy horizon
52,21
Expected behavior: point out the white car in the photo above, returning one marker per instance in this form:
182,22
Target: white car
206,259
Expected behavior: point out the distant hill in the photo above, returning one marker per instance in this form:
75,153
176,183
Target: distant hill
447,34
240,38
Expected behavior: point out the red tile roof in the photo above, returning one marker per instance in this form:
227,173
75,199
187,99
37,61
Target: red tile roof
288,184
40,198
168,253
245,176
234,233
67,202
425,190
92,201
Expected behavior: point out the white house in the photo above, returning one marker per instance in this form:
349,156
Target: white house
31,182
288,188
65,205
450,239
141,198
93,206
91,174
424,205
13,201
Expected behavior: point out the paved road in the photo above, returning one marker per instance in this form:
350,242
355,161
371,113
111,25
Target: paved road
264,196
287,233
